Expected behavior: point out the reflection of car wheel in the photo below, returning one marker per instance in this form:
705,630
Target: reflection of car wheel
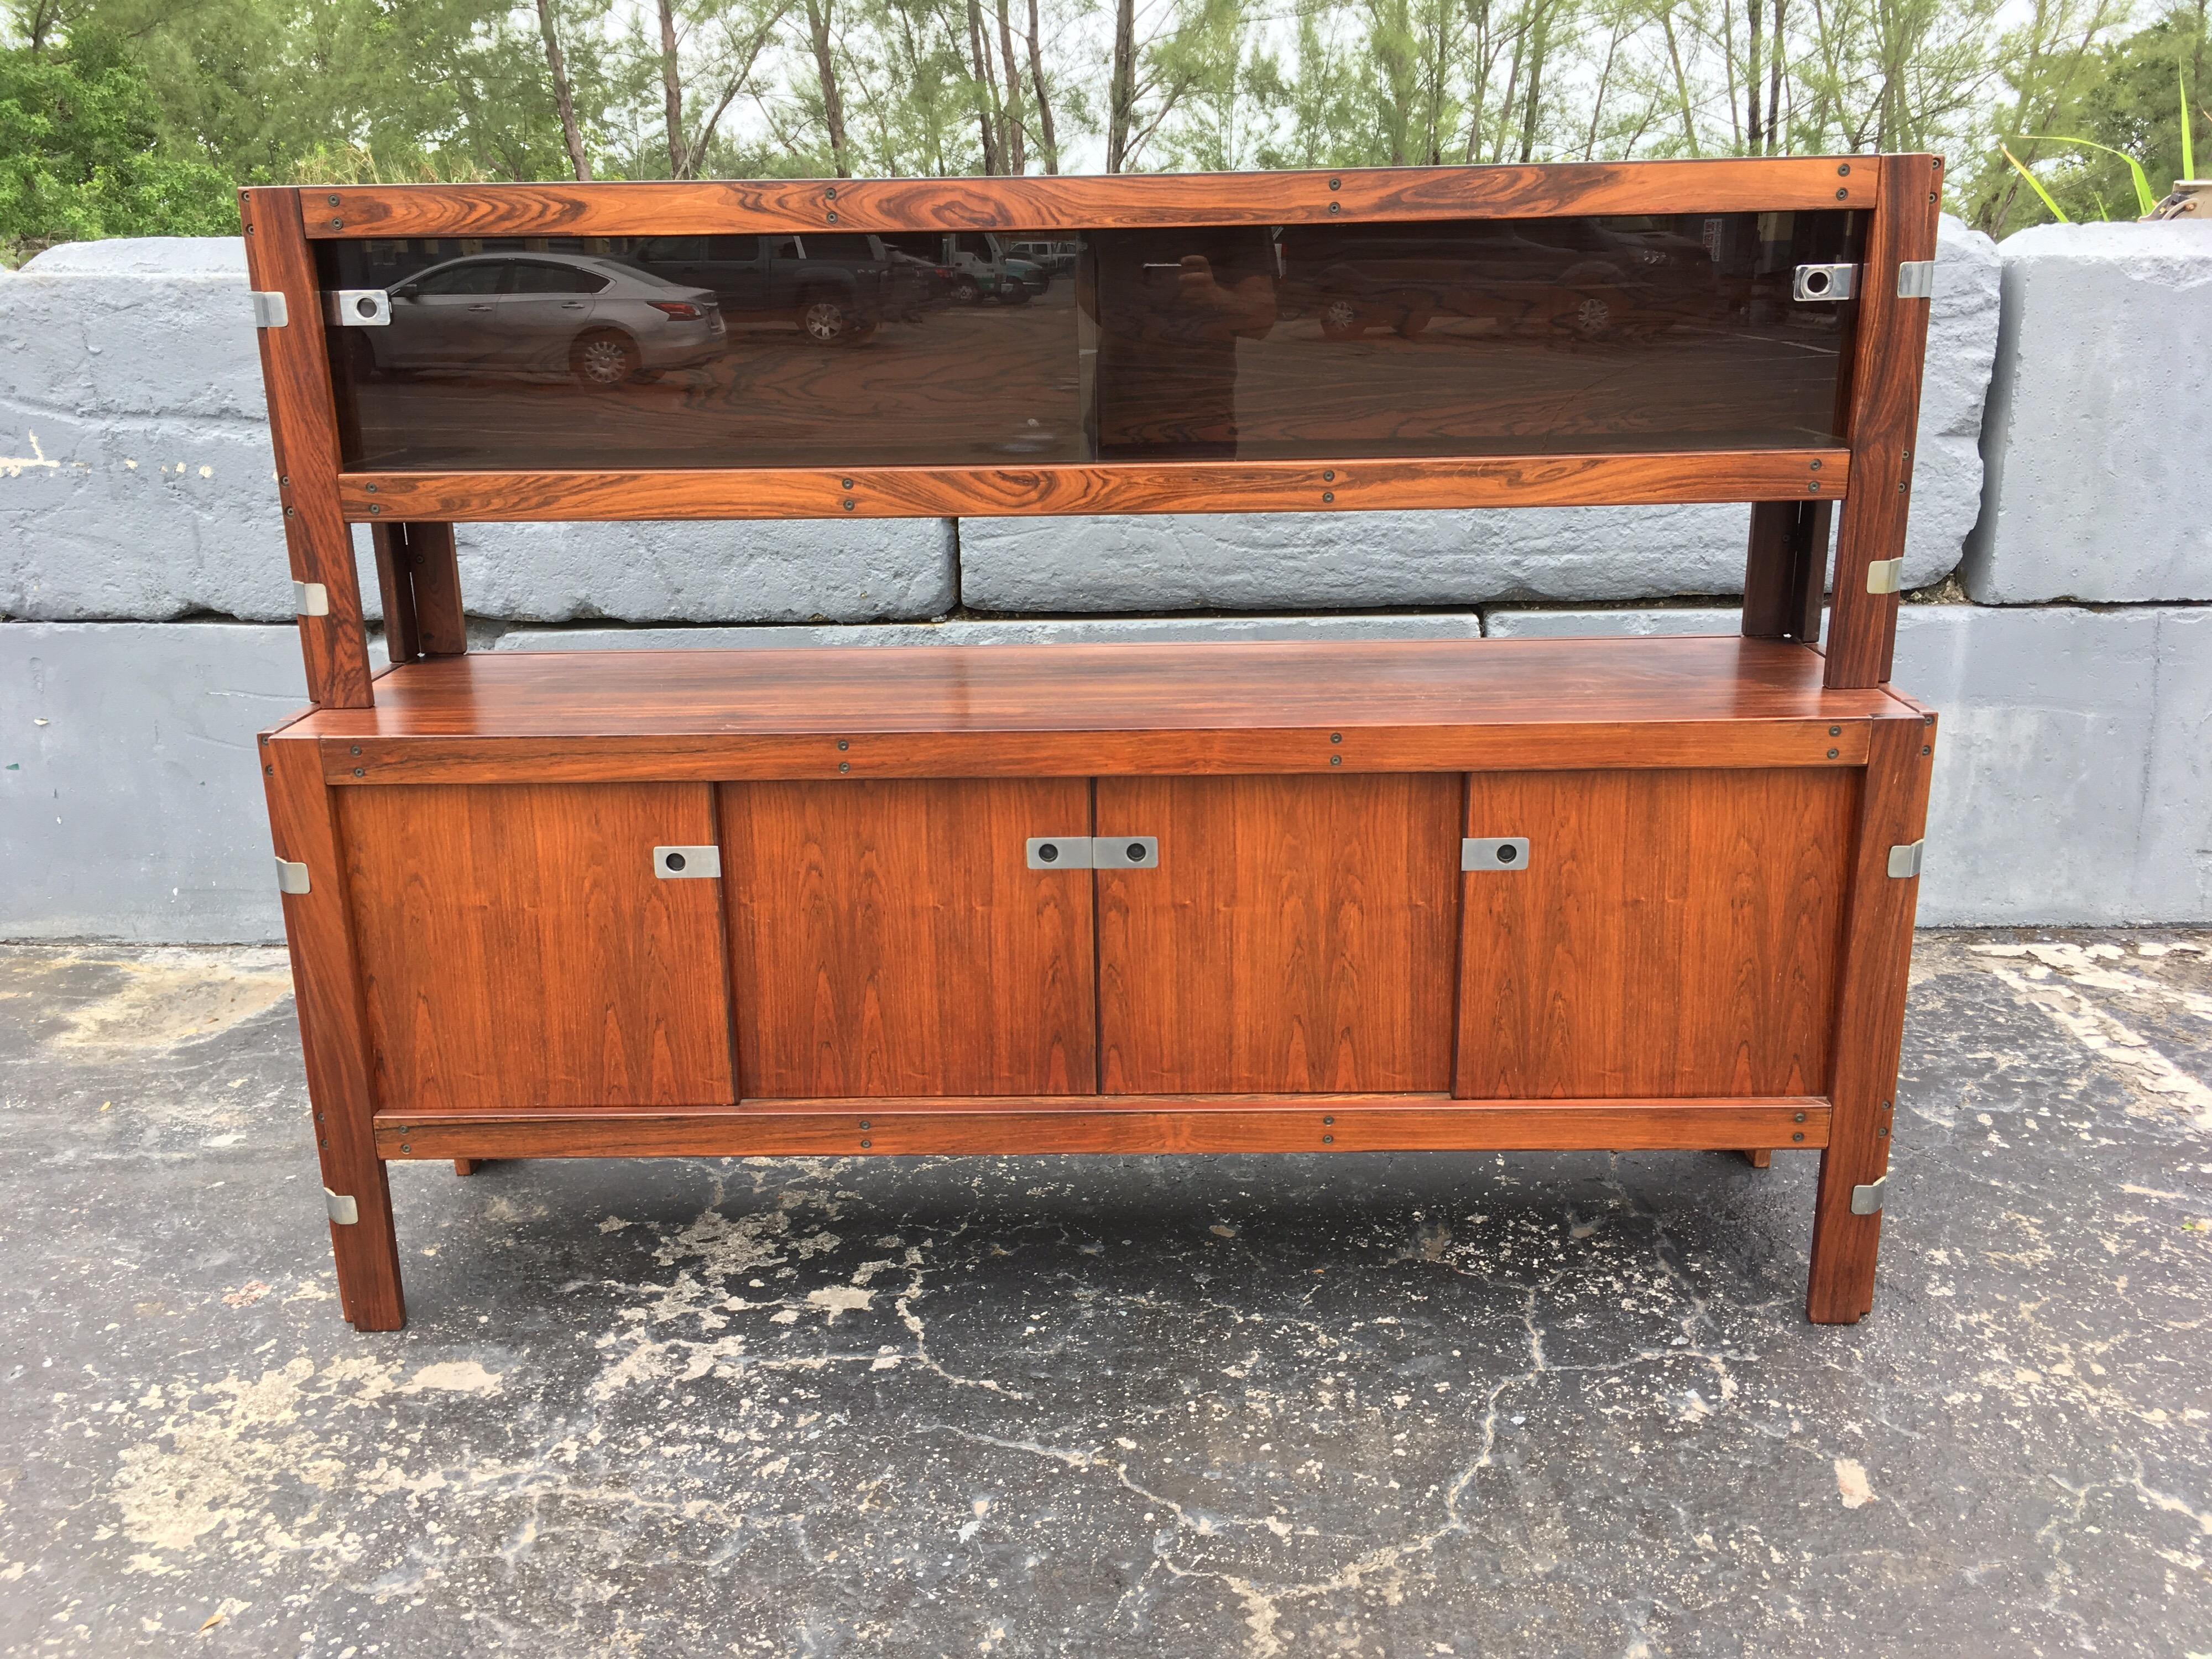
1016,294
965,291
1340,319
1591,316
825,321
604,360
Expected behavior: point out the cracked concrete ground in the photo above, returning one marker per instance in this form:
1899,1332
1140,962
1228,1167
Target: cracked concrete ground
1382,1405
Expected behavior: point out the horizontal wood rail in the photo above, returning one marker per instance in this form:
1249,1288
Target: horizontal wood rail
1130,1123
868,754
1347,195
908,492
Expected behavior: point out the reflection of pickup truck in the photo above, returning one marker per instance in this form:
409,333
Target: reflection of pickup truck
836,288
981,266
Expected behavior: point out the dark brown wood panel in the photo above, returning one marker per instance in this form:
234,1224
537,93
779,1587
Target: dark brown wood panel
333,1033
1870,1020
1297,934
1215,1123
441,628
518,950
303,431
1672,934
1786,570
1349,195
890,939
908,492
1885,419
395,581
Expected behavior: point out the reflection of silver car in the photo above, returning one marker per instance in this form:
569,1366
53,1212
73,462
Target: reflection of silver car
601,320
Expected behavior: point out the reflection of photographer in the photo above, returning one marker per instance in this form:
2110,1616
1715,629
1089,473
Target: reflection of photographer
1171,305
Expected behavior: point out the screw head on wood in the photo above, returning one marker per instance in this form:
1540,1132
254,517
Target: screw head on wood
356,749
1831,754
865,1144
844,766
1336,736
1336,760
1334,183
1800,1135
1329,477
332,200
359,773
847,503
1328,1120
337,224
833,215
1800,1118
1328,1140
1842,194
1336,207
843,743
1844,170
1835,731
1328,495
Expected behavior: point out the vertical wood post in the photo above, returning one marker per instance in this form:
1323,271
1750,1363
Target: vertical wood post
303,431
1885,415
421,582
1784,570
1869,1019
333,1032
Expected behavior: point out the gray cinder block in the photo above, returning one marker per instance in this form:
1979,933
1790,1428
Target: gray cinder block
130,800
2094,434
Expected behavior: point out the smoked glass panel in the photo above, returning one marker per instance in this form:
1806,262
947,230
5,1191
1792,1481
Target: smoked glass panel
1484,337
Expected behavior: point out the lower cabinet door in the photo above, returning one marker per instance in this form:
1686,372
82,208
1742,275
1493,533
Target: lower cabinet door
1666,935
518,948
889,938
1296,935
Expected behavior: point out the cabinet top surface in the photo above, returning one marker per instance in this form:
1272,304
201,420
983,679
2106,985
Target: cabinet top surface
1208,686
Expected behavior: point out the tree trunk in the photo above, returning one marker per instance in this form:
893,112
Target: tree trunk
1537,50
986,94
1774,144
1755,9
1045,134
1681,84
671,86
833,102
562,98
1123,95
1014,136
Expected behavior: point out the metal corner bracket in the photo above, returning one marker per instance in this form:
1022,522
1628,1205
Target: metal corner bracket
1867,1200
270,310
311,600
1885,575
344,1212
1904,861
1916,279
291,878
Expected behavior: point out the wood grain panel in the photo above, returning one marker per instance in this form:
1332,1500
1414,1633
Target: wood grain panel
518,951
889,939
333,1033
442,630
1349,195
1297,934
1673,934
908,492
1870,1020
1198,1124
1891,339
303,431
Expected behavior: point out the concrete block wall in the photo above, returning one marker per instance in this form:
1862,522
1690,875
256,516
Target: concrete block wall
144,633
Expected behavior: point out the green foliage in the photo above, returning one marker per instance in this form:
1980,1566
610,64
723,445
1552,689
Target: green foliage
81,157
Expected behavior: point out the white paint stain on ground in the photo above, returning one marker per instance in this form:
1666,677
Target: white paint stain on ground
2056,986
452,1376
165,997
1851,1484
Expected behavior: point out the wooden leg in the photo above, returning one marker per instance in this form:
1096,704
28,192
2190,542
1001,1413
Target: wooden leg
1759,1158
333,1037
466,1166
1870,1022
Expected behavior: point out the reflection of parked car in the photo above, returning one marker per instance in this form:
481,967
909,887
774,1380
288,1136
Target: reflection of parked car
835,287
595,319
1519,275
